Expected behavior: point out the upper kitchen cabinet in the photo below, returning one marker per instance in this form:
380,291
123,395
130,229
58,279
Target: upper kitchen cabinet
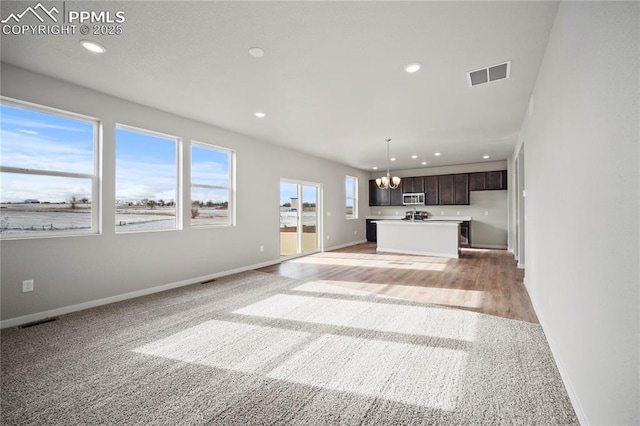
431,190
413,185
440,189
377,196
396,195
453,189
445,189
477,181
497,180
488,180
384,197
461,188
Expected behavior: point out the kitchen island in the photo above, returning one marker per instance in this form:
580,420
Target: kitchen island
427,238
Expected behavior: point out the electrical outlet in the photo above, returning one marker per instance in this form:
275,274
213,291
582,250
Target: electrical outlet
328,238
261,248
441,213
328,213
27,285
486,212
458,212
355,232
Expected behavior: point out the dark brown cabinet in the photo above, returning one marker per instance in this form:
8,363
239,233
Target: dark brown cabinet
384,197
413,185
453,189
485,181
396,195
431,190
496,180
440,189
445,189
461,189
377,196
372,231
477,181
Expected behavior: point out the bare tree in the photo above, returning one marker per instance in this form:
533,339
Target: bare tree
4,223
195,209
73,201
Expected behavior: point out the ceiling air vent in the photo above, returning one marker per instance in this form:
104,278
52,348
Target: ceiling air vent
489,74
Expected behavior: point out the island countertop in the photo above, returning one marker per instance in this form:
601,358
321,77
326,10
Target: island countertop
433,218
420,222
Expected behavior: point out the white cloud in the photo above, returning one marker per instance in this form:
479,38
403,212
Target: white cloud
35,151
137,180
28,132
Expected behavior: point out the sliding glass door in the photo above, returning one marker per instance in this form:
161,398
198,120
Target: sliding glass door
299,206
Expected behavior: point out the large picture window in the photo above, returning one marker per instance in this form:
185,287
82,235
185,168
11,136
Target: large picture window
351,184
146,180
48,171
211,185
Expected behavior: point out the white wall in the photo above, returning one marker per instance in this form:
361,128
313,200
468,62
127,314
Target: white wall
80,270
583,190
489,209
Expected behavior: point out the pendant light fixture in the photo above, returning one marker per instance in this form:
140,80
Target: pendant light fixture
388,182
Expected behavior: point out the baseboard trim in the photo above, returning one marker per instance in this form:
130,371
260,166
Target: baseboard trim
521,265
573,396
353,243
12,322
489,246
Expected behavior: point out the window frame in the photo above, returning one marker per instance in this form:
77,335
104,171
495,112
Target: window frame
354,198
231,155
95,177
179,178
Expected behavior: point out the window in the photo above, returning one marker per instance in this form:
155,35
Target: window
146,180
48,171
351,184
212,192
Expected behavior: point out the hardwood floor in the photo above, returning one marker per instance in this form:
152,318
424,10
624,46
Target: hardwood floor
486,281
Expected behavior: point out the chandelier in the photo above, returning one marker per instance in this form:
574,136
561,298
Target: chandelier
388,182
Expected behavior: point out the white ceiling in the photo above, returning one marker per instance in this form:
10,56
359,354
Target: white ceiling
331,82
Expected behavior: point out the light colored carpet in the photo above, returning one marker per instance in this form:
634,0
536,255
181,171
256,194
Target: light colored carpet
261,349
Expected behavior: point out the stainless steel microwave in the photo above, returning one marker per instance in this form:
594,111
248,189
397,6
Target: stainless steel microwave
413,199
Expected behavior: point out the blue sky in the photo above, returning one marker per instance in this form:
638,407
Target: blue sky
145,164
34,140
290,190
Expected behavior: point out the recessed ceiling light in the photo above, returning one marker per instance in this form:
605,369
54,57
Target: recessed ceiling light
414,156
437,154
259,114
392,158
424,163
256,52
92,46
485,156
375,167
411,68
